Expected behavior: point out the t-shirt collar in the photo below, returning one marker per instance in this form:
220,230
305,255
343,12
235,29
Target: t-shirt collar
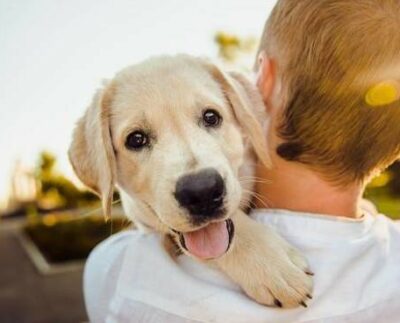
323,226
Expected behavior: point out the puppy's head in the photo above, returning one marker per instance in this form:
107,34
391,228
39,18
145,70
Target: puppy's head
170,133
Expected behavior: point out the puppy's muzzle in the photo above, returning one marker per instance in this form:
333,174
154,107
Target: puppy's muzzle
202,194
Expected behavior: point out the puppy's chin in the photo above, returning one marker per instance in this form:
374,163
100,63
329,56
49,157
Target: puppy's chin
209,242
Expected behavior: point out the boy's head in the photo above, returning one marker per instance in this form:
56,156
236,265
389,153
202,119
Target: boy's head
335,80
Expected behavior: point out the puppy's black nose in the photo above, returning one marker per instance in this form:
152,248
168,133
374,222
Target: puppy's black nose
202,194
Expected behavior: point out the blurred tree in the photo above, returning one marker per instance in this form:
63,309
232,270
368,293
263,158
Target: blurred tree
55,190
232,48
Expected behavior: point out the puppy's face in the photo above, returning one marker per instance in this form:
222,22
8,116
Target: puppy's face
177,148
178,145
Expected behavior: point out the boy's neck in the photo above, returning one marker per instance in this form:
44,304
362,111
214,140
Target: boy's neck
293,186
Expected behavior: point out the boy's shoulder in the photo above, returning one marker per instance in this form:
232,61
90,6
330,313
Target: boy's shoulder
357,263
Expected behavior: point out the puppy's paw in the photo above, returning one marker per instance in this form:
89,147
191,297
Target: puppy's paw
267,267
283,280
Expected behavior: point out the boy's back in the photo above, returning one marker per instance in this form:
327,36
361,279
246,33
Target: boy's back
356,262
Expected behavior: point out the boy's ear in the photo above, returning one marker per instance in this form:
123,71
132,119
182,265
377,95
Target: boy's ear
247,106
91,151
266,77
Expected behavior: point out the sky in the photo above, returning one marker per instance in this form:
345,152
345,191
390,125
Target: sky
54,54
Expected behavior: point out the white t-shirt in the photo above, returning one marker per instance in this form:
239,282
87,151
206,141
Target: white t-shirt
130,278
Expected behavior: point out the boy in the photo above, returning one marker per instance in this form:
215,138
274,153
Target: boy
329,73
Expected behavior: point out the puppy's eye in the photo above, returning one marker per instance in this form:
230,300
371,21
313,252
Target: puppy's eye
211,118
137,140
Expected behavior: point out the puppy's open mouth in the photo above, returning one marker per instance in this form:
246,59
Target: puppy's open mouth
210,242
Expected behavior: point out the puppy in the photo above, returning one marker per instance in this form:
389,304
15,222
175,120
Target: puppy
178,137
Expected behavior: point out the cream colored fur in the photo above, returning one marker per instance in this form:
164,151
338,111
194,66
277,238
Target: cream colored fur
166,97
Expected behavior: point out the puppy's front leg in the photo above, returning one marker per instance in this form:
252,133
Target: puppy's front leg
267,268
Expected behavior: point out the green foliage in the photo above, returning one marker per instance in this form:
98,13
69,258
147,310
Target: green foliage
385,202
63,238
46,163
55,190
231,46
384,192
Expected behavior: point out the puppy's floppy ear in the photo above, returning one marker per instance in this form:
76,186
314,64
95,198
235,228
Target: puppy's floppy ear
91,152
248,108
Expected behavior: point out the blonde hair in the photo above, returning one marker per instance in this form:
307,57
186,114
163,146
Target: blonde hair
329,54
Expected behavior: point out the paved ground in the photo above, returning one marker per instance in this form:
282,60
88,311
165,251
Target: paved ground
29,297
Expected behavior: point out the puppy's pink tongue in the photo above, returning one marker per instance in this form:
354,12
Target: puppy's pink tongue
209,242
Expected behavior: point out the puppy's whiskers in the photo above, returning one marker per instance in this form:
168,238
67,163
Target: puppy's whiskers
262,199
94,211
254,179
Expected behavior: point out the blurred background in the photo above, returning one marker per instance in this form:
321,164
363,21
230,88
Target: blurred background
54,55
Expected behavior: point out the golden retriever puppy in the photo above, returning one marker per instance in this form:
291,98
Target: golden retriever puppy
178,137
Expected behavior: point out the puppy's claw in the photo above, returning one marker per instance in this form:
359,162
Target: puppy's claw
309,296
309,272
278,303
303,304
